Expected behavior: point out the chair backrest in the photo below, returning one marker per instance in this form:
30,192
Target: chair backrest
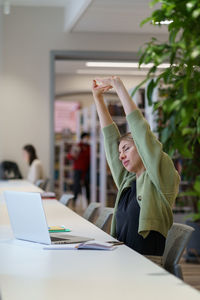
42,183
91,211
9,170
66,199
176,242
104,219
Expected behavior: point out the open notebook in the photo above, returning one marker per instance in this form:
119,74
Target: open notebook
90,245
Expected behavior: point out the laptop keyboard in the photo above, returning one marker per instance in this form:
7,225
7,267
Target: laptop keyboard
59,240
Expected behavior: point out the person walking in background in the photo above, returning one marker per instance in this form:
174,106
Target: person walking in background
80,154
35,166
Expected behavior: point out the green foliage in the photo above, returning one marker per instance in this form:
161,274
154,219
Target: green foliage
179,84
195,193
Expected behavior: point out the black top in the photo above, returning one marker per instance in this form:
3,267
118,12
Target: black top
127,221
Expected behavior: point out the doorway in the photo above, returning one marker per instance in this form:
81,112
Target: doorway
71,83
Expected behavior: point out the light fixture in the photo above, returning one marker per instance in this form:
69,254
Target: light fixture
111,72
108,64
6,8
134,65
165,22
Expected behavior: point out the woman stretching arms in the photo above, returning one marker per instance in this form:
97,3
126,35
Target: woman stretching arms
145,176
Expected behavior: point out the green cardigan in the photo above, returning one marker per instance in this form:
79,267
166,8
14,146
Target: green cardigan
157,186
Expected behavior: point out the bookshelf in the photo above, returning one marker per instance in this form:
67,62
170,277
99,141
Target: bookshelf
63,167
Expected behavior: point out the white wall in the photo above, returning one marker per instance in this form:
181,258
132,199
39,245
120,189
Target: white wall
1,39
29,35
67,83
1,66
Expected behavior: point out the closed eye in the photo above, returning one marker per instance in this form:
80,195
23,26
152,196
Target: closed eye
126,149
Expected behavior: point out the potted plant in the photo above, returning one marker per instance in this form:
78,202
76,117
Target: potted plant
193,219
178,106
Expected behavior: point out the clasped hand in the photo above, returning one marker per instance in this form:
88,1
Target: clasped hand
102,85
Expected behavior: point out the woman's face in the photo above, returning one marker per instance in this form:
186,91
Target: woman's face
26,156
129,156
86,140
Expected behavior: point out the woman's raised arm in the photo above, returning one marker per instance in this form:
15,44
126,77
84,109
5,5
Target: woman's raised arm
102,110
111,134
115,82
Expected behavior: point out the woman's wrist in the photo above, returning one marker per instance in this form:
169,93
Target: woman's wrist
98,98
128,104
118,84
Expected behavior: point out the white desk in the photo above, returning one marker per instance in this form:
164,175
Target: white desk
18,185
28,272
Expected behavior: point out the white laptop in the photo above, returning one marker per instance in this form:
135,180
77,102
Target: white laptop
28,220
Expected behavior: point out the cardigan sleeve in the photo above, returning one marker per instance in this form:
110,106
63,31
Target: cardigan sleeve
157,163
111,135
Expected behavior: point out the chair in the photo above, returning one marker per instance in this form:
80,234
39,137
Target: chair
104,220
176,243
9,170
42,183
66,199
91,211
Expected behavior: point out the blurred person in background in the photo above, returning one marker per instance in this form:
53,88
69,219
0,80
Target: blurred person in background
80,154
35,171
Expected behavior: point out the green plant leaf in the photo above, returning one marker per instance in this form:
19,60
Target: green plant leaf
174,106
178,107
195,217
190,5
185,152
195,52
145,21
152,3
165,134
173,35
197,185
139,86
198,125
150,89
196,13
198,205
186,131
188,193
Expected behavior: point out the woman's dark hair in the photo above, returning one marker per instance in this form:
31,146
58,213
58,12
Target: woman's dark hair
84,134
32,153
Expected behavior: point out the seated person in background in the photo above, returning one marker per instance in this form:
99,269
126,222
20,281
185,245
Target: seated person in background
80,154
35,166
145,176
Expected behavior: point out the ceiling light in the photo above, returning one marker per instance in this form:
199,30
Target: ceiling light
161,66
165,22
111,72
134,65
106,64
